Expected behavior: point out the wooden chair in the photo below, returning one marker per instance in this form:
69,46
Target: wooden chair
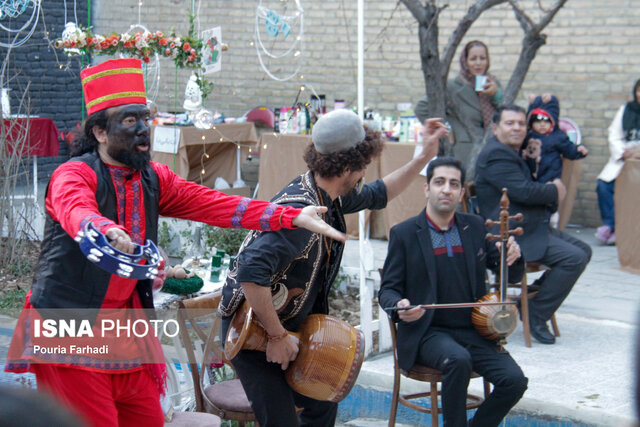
225,399
425,374
571,172
528,292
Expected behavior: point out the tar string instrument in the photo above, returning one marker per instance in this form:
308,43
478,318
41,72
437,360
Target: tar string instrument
330,353
494,316
495,321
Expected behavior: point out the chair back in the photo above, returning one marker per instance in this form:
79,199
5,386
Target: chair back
263,115
190,311
571,128
571,172
393,332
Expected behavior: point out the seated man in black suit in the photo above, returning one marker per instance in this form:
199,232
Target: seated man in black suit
499,165
441,256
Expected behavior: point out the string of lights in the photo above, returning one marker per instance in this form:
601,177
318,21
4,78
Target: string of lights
220,138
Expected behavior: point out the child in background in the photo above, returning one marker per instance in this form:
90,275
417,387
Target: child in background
546,144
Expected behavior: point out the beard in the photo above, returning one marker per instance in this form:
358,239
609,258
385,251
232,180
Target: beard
133,159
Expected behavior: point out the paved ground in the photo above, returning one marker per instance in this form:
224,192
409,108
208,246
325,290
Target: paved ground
587,375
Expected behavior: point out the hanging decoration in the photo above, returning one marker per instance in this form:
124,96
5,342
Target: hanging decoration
192,98
14,8
150,68
278,28
183,50
10,9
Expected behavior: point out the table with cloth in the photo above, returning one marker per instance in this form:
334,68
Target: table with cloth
41,136
219,143
281,161
627,200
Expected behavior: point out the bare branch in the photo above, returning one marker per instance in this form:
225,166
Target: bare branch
525,22
530,28
417,10
530,46
458,34
382,33
436,67
548,17
542,7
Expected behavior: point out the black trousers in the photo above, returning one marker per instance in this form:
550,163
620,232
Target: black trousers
567,257
273,401
457,352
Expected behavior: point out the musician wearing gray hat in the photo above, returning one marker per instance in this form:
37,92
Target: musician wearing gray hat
286,275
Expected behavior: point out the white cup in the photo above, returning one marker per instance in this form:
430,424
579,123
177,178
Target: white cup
480,82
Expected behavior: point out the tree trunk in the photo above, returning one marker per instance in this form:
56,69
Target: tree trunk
530,46
436,69
432,70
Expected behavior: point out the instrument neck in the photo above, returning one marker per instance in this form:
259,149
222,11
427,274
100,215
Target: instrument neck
504,272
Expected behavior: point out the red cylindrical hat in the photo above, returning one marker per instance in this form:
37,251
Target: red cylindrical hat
112,83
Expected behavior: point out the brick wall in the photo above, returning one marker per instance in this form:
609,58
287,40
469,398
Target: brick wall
588,61
43,81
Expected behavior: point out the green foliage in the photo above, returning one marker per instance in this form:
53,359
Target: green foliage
21,268
13,299
340,278
228,239
230,423
198,240
221,373
165,235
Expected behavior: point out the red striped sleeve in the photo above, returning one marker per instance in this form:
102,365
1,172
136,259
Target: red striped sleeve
187,200
71,199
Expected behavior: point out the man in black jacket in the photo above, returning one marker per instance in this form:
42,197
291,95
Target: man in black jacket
499,166
441,256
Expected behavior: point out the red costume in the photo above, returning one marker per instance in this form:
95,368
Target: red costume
105,392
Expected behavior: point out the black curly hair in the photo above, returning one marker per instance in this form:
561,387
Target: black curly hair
85,141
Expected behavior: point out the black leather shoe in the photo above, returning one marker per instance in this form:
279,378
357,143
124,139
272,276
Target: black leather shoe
540,331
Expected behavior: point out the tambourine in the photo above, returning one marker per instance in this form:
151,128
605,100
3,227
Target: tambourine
95,246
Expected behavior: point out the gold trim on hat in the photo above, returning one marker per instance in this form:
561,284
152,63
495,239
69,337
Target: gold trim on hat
110,73
115,96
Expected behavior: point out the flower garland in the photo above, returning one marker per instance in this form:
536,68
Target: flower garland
182,50
185,51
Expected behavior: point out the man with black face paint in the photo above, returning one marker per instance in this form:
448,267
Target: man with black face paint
130,136
111,183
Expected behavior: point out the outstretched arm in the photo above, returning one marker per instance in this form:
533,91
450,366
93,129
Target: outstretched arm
187,200
310,219
400,178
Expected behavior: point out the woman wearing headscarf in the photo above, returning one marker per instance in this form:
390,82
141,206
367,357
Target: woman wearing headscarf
474,106
624,143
